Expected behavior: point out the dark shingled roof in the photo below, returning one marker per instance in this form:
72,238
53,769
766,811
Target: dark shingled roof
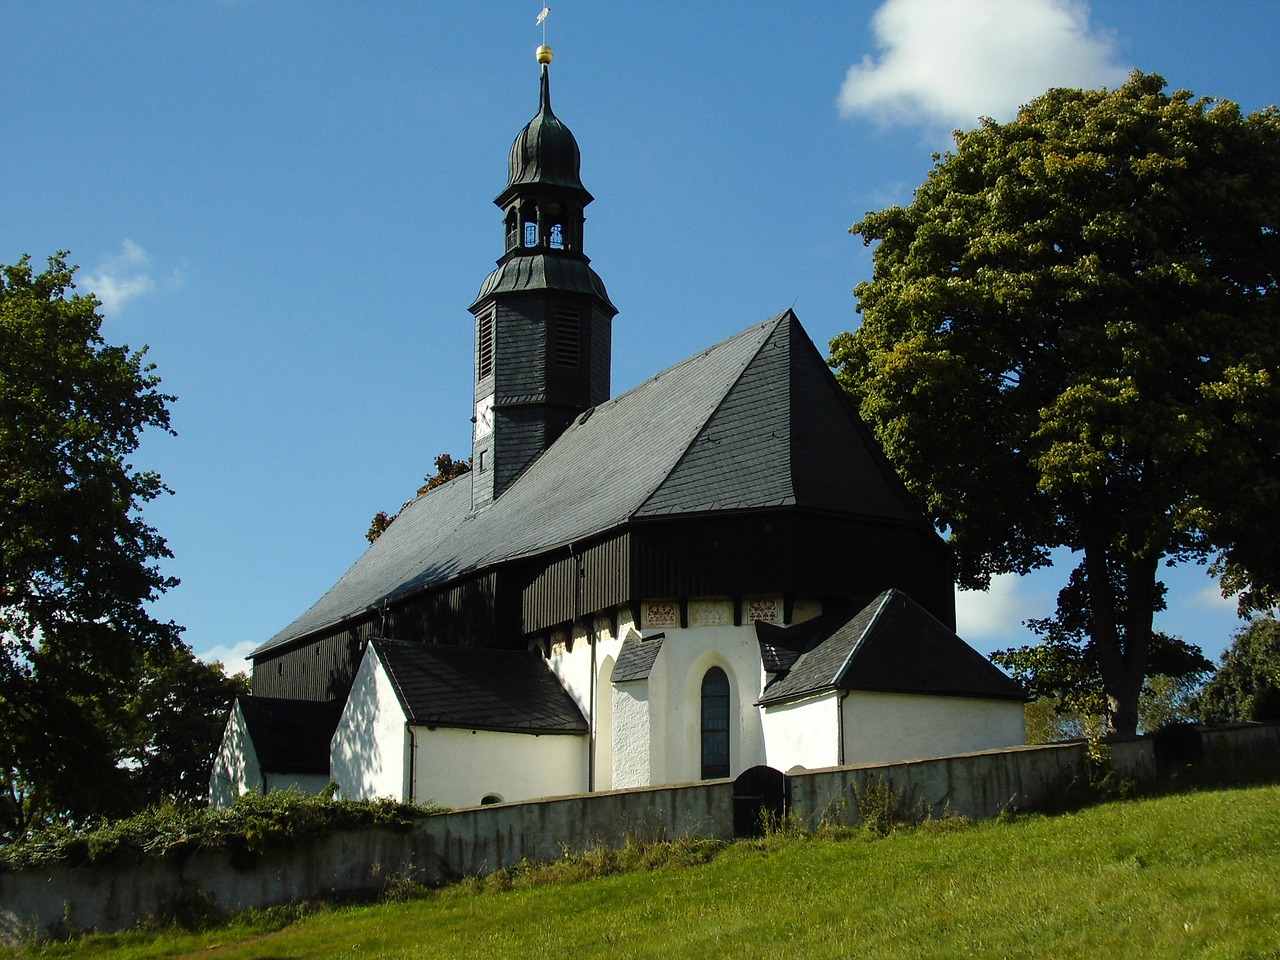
478,689
545,151
636,658
891,645
541,272
754,421
291,736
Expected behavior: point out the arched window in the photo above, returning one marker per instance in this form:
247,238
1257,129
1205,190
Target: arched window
489,798
715,724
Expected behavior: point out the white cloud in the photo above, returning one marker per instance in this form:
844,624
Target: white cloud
953,61
1211,597
120,278
994,617
234,658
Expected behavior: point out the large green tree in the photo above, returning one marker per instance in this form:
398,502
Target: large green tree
173,723
1071,340
78,564
1247,684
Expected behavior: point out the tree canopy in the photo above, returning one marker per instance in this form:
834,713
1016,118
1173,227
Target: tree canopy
1247,684
1070,340
78,564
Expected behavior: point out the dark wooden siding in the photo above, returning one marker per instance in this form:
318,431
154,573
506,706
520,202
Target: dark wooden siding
547,596
321,669
467,613
791,553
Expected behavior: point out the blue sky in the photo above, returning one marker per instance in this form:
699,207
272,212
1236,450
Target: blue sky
291,203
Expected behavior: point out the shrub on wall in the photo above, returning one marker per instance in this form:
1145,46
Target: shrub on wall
254,823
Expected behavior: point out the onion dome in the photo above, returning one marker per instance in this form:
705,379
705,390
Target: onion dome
545,152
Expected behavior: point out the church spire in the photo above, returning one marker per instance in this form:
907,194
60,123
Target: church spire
543,317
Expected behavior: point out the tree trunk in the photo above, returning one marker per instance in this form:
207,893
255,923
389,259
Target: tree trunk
1120,628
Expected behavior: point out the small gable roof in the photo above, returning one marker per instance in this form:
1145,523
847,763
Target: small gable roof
755,421
290,736
891,645
636,658
478,688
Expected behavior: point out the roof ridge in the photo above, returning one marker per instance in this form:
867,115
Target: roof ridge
698,356
771,325
875,619
374,643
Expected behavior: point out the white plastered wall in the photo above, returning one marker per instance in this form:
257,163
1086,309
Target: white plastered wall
459,768
631,735
675,685
885,727
689,654
655,734
235,765
573,668
803,734
368,755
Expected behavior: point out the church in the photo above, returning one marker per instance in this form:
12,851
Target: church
715,570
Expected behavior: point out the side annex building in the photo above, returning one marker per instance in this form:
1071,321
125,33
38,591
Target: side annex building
714,570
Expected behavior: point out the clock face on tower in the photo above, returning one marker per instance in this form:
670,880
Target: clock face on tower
484,416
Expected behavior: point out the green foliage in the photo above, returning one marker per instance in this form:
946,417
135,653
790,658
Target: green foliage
253,824
1247,684
447,469
78,564
1069,341
1098,781
174,719
882,809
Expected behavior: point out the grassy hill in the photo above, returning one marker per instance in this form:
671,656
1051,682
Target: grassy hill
1179,876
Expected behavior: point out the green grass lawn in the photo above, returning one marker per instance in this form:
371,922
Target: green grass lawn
1195,874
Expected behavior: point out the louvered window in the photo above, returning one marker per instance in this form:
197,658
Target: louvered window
484,347
568,336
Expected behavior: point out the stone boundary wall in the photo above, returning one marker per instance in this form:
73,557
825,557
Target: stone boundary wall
478,840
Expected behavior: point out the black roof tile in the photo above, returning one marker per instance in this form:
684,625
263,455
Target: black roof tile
477,688
291,736
636,658
891,645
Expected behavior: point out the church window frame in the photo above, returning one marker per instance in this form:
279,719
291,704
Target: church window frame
715,712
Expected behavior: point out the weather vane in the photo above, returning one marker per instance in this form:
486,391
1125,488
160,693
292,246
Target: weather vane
544,52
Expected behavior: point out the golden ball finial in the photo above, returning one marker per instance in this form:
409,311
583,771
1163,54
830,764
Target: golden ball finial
544,54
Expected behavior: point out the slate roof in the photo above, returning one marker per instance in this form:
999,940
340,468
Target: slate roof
754,421
891,645
291,736
542,272
478,689
637,656
545,152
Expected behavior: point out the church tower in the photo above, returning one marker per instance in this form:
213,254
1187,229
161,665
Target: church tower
543,319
